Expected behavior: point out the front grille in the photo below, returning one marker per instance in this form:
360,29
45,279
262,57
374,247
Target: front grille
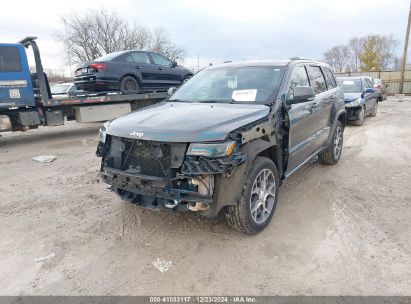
146,157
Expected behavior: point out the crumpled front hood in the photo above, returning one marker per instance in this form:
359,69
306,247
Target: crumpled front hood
348,97
186,122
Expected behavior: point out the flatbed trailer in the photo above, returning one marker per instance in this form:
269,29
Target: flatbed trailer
26,101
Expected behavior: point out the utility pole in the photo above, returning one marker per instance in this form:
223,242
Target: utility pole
404,54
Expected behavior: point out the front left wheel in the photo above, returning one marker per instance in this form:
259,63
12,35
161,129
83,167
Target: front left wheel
374,110
255,209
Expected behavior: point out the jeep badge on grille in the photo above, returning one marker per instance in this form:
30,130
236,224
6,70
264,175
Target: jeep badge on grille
137,134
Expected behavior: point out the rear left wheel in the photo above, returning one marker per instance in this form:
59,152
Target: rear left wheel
129,85
332,154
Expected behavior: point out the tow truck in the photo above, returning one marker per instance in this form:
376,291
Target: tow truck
26,101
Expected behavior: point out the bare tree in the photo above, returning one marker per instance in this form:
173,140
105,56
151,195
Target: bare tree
337,57
160,43
388,47
355,48
368,53
94,33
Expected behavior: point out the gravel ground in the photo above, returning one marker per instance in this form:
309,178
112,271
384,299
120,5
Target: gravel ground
340,230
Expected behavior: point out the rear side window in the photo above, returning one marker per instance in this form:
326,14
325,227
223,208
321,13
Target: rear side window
9,59
317,79
329,78
140,57
161,60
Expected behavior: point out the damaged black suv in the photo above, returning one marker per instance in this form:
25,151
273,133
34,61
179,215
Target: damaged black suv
226,140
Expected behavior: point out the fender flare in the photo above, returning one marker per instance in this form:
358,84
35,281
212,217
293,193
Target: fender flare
228,190
334,125
137,76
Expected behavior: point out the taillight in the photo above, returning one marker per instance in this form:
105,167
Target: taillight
98,66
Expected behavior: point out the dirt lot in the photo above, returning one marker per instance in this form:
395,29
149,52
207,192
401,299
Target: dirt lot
337,230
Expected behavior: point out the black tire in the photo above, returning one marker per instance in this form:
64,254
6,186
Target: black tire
186,78
374,109
129,85
332,154
240,216
360,119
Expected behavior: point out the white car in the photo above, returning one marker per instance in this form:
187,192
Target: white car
64,90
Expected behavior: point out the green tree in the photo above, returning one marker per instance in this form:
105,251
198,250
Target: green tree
371,56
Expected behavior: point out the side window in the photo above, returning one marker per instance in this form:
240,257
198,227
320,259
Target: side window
317,79
140,57
161,60
329,78
299,78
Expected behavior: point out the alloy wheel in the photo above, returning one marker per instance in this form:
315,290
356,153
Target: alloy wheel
262,196
337,142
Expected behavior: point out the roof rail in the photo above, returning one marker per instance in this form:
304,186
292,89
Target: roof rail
301,58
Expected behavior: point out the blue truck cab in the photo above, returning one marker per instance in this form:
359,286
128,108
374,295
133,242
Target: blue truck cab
16,88
23,95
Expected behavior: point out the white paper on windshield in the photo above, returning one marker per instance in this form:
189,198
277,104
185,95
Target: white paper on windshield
244,95
232,84
348,82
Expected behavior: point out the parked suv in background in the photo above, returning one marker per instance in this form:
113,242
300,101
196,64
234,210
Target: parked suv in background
381,88
226,140
360,98
130,72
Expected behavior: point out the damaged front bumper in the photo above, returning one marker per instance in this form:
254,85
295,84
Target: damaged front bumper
161,175
155,187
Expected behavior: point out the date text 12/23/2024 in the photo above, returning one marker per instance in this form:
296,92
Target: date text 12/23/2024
205,299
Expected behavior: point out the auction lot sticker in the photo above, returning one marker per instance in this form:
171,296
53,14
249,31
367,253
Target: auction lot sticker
244,95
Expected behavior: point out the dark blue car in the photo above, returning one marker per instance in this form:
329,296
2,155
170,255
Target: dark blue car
130,72
361,99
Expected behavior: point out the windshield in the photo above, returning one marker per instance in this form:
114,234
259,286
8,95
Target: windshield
232,84
60,88
351,86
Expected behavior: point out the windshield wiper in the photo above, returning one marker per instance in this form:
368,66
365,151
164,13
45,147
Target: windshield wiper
215,101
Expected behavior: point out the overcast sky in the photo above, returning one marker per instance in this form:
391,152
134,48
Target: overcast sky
220,30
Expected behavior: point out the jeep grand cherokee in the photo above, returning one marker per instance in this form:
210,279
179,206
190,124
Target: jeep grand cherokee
226,140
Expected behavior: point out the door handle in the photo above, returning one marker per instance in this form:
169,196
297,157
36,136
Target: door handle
160,69
137,67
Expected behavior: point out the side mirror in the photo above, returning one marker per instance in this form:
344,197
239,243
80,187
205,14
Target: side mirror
173,64
302,94
369,90
171,91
